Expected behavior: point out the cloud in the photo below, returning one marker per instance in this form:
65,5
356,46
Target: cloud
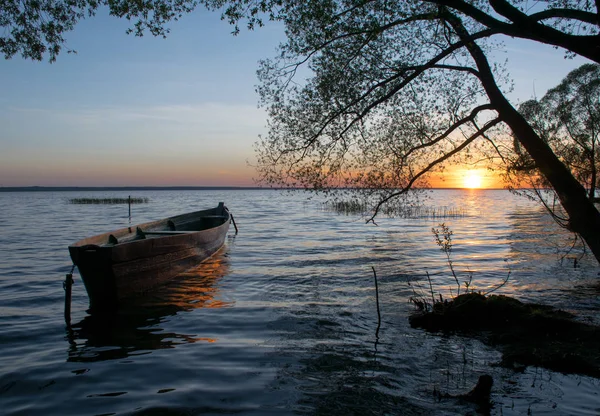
211,114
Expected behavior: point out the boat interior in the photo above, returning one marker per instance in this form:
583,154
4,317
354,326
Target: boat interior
180,224
168,227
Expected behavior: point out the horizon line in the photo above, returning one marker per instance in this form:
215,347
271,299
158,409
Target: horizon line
36,188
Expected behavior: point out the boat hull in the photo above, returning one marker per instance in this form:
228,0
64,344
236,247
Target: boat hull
114,272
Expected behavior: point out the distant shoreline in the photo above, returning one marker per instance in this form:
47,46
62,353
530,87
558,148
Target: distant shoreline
123,188
160,188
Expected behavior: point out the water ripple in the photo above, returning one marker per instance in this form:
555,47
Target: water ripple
283,320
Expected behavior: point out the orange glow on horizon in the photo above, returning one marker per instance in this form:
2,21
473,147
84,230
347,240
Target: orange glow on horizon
185,170
127,171
466,178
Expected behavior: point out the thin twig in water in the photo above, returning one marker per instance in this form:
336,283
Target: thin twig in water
443,238
500,285
445,244
377,301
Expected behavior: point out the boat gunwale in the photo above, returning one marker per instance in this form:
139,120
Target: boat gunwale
100,240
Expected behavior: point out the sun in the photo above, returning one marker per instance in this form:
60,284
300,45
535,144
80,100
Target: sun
472,180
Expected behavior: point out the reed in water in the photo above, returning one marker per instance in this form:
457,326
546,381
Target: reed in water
353,207
108,200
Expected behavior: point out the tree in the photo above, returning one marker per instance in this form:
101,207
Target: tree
395,88
400,87
36,28
568,119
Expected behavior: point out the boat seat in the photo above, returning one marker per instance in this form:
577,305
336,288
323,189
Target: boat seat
139,234
215,216
167,232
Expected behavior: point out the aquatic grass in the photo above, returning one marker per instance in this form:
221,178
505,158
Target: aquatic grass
437,304
434,213
521,331
353,207
109,200
346,207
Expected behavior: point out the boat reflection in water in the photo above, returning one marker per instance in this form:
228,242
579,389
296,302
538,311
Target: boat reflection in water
141,324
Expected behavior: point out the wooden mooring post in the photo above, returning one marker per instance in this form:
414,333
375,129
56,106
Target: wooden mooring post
377,302
67,285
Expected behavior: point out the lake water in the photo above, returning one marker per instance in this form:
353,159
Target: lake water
282,320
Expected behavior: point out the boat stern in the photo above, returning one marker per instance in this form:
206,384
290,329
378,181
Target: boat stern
95,268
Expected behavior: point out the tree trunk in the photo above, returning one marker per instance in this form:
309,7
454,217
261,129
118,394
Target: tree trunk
592,194
584,218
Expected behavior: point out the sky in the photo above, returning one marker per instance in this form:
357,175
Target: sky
181,111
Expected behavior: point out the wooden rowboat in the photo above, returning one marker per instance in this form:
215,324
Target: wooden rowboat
133,260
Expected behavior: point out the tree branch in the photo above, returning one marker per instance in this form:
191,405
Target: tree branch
439,160
417,71
529,27
452,128
573,14
526,27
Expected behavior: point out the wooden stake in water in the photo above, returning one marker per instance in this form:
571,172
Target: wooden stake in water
67,285
377,301
129,201
234,224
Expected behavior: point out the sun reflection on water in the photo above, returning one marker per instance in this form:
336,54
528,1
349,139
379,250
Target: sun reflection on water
142,324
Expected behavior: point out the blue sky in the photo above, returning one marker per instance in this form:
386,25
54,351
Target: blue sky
136,111
153,111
